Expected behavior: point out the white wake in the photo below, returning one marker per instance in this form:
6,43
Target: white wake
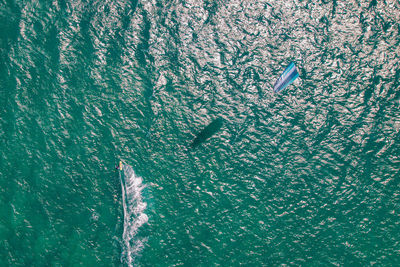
134,216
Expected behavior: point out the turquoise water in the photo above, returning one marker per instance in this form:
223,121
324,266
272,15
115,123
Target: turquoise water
309,176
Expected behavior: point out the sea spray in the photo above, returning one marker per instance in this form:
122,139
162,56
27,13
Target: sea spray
134,216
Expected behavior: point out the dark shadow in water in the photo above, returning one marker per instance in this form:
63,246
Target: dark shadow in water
207,132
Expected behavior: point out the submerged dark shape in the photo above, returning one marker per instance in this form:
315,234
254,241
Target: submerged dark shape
207,132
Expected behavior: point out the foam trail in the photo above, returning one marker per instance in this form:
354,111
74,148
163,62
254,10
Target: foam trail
134,216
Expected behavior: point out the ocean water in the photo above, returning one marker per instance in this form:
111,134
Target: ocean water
309,176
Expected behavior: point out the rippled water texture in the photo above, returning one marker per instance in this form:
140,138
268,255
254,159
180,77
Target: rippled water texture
309,176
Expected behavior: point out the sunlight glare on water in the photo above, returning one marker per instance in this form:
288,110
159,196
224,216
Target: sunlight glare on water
308,176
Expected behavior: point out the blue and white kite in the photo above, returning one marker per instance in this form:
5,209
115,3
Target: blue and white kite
288,76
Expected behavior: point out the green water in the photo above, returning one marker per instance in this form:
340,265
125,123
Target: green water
306,177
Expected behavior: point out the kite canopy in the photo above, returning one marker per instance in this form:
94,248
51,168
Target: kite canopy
288,76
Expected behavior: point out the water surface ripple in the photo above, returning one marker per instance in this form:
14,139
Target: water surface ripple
305,177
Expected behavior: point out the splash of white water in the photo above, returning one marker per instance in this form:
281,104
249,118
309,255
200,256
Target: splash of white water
134,216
